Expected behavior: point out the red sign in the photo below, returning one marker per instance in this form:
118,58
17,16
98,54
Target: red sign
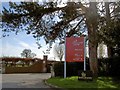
75,49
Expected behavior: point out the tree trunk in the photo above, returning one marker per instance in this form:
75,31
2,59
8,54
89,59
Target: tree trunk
92,50
91,22
93,59
61,58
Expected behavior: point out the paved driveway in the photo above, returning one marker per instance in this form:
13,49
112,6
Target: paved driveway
24,80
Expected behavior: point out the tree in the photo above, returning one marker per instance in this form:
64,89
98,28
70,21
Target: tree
27,53
110,29
59,51
92,25
40,20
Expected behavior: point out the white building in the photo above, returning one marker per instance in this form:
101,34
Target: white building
102,51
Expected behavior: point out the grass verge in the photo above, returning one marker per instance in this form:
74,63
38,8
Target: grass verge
72,82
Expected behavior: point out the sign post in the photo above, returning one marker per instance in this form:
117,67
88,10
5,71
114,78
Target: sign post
84,54
74,51
65,61
65,69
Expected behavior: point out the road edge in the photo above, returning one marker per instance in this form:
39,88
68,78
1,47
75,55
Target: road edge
48,84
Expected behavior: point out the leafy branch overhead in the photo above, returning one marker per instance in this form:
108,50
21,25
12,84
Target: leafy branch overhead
46,19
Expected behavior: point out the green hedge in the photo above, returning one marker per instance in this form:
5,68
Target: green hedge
109,67
106,66
59,69
72,68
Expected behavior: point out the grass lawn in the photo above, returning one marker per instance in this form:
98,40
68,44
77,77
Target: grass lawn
72,82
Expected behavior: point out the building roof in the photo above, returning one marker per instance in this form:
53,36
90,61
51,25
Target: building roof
15,59
18,59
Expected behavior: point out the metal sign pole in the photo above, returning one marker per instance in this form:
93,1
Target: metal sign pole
65,69
65,58
84,54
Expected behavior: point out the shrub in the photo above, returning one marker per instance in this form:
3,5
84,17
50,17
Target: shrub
72,68
109,67
59,69
106,66
103,66
114,69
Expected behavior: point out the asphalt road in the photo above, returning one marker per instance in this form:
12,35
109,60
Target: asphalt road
30,80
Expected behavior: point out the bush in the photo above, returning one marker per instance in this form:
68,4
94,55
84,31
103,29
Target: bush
59,69
114,69
72,68
103,66
109,67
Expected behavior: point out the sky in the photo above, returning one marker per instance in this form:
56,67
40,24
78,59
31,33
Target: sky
13,45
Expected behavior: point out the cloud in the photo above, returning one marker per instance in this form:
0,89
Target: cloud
16,47
24,45
33,47
11,50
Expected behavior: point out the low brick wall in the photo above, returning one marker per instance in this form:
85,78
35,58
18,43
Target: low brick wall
35,68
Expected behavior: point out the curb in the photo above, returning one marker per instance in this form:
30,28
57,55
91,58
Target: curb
52,86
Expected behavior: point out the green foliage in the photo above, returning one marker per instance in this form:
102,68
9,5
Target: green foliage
110,35
109,28
72,82
109,67
72,68
115,67
73,19
40,19
59,69
27,53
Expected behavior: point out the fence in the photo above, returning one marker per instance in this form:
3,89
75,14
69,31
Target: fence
27,65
